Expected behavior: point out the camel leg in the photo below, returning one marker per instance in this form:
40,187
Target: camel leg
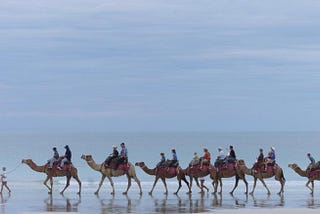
246,183
100,184
154,184
165,185
67,184
112,185
235,185
191,180
197,182
265,185
220,192
79,183
180,185
128,186
215,185
45,183
312,186
138,182
188,185
254,185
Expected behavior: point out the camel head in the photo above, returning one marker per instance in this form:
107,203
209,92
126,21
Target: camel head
241,162
292,165
26,161
86,157
141,164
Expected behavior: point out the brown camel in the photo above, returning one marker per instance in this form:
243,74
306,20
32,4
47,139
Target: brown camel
217,176
277,173
304,173
109,172
164,173
195,173
53,172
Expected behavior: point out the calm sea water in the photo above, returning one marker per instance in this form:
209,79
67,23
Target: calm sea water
290,147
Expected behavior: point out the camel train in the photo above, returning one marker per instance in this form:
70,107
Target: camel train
195,171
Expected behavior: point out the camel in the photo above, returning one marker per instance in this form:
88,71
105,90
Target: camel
109,173
195,173
305,173
217,176
277,173
164,173
53,172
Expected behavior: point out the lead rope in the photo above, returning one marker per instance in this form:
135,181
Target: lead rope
15,168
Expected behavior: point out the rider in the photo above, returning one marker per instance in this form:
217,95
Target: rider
66,157
123,158
231,158
174,160
55,157
112,156
195,160
205,159
259,161
313,163
220,158
162,160
271,158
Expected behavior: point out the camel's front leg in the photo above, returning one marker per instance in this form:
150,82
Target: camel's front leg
235,185
112,185
67,184
254,185
265,185
51,183
138,182
312,186
154,184
165,185
246,183
197,182
128,186
100,184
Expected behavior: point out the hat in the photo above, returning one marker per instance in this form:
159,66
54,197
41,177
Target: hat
114,147
272,148
219,148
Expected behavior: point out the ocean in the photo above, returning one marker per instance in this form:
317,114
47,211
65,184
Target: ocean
291,147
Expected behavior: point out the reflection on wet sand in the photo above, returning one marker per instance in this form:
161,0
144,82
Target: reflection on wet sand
313,203
113,205
4,201
61,205
186,205
268,202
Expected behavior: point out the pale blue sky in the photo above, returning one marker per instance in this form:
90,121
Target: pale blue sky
163,65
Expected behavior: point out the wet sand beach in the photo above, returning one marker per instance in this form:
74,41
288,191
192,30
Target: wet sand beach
33,198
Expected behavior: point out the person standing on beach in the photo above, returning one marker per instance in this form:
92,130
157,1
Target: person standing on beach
66,157
55,157
4,182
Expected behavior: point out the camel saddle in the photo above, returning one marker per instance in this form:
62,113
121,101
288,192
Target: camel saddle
66,167
121,166
228,166
196,168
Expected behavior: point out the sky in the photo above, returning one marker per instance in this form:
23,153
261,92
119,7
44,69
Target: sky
160,65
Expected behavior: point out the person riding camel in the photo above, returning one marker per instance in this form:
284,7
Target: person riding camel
313,164
54,159
173,162
123,157
205,159
271,158
112,156
195,160
231,157
259,162
66,157
220,158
